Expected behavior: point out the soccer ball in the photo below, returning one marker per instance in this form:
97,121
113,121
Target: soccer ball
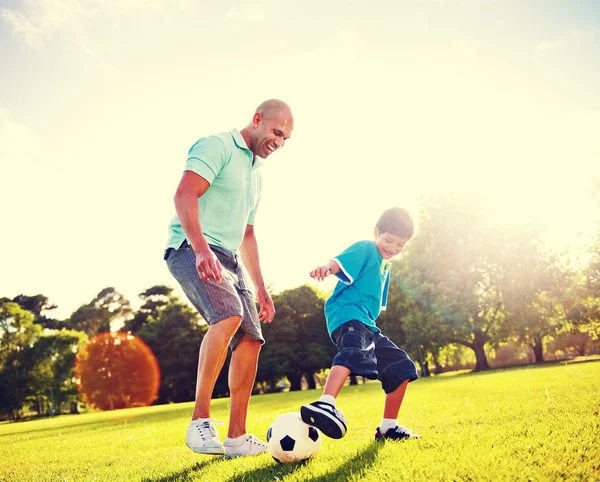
289,439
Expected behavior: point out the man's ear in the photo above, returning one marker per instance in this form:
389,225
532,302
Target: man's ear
257,119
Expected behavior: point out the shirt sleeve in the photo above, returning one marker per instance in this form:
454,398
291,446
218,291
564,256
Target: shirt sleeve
206,158
252,215
350,262
384,295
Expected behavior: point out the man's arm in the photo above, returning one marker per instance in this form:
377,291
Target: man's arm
190,188
249,252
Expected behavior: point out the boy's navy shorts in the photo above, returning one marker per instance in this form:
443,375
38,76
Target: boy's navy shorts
372,355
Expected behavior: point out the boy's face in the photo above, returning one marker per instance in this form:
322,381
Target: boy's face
389,245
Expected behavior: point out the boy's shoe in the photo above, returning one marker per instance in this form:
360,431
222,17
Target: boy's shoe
325,417
250,445
202,437
396,433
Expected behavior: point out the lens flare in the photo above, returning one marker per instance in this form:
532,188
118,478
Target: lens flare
116,370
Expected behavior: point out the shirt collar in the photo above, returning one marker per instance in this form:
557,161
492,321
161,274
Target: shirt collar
241,143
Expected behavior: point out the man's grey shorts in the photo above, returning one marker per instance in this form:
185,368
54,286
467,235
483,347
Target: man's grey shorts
217,301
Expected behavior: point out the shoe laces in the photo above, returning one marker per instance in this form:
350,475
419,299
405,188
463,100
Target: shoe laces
398,429
256,441
206,429
331,408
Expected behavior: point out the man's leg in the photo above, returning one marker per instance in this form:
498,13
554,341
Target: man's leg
242,373
213,352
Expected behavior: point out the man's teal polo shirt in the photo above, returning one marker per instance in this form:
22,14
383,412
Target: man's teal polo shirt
231,201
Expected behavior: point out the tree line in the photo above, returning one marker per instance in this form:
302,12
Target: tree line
465,289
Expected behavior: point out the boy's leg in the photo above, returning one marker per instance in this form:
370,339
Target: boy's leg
389,427
393,401
396,371
335,380
355,355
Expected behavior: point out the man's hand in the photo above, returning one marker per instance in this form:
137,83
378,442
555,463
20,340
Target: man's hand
267,309
208,266
320,273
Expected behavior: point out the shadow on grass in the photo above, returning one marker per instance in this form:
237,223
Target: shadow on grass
185,474
352,468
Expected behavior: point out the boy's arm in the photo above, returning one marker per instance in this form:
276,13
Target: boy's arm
321,272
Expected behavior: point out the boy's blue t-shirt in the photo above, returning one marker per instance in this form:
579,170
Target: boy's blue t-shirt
362,290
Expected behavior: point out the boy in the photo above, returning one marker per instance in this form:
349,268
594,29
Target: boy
351,311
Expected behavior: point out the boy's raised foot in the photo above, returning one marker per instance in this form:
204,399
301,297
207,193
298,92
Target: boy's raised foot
325,417
396,433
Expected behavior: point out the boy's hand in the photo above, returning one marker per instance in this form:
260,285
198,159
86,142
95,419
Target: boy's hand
320,273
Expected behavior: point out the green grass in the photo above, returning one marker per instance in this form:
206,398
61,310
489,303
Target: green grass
517,424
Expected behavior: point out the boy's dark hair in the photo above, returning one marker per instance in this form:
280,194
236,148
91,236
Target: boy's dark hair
396,221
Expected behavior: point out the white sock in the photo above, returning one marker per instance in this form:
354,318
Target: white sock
387,423
200,420
236,440
328,399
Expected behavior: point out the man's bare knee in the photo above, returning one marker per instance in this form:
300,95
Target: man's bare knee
248,345
227,325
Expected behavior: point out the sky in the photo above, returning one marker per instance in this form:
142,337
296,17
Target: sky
393,101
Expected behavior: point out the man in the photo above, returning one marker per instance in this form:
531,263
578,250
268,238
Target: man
216,203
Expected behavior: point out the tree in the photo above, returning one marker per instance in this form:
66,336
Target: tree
116,370
409,322
51,360
38,305
109,306
174,337
456,265
18,332
583,309
534,293
297,342
155,299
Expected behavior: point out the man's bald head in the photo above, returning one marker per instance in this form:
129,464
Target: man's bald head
272,107
271,126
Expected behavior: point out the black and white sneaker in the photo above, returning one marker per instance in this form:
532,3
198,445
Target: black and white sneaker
396,433
325,417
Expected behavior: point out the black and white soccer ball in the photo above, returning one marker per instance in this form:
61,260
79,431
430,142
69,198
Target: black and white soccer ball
289,439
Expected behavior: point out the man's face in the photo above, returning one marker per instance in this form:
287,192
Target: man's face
389,245
271,132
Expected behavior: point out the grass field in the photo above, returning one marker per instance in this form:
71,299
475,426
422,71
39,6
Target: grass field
519,424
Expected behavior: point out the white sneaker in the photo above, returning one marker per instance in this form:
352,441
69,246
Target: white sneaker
249,445
202,437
